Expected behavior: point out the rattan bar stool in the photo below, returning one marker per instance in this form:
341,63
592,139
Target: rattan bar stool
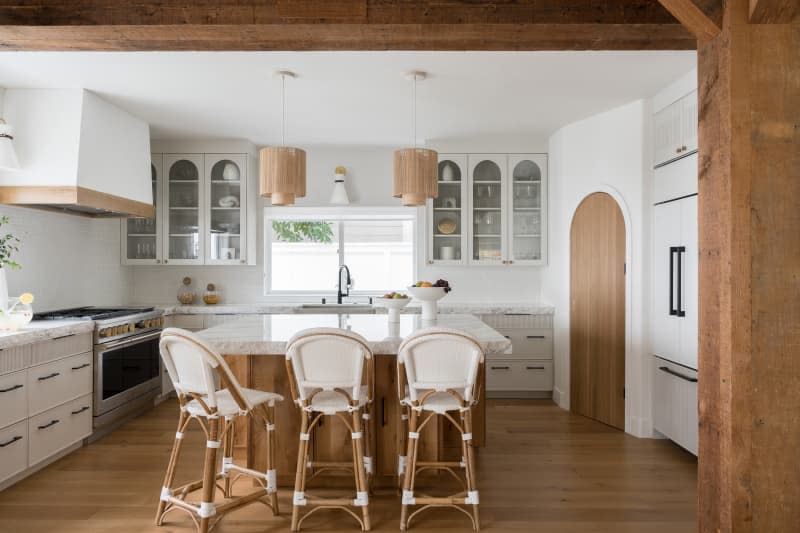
195,370
439,369
331,374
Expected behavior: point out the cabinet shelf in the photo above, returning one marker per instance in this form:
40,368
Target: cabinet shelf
184,181
226,208
230,182
141,234
487,235
486,209
451,182
183,208
447,209
487,182
527,209
528,235
447,235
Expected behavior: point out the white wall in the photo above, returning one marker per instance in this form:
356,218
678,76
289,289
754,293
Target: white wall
369,183
608,152
66,260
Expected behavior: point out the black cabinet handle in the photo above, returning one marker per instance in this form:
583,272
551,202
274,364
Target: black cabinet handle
507,337
82,409
51,423
14,387
680,250
383,411
84,365
500,367
63,337
534,368
672,310
12,441
51,376
677,374
534,336
517,314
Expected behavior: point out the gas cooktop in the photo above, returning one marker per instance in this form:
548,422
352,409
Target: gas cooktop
90,313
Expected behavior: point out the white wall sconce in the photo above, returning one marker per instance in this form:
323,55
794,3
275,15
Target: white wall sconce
8,157
339,195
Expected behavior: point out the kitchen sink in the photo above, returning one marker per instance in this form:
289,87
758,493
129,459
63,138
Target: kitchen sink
345,308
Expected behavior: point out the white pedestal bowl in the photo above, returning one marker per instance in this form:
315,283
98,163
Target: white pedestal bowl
428,296
392,305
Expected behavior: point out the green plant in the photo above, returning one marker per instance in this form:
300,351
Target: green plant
8,245
303,231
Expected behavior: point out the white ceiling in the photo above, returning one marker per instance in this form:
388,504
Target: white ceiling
353,98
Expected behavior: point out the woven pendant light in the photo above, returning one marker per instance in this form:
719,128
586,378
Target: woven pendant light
415,170
282,169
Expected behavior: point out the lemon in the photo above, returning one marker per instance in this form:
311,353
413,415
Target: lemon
26,298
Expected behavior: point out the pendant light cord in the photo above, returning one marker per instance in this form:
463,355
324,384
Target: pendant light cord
414,113
283,110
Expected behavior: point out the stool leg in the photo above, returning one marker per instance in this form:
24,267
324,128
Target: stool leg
209,472
369,447
227,452
173,462
402,456
358,464
411,466
300,473
271,458
470,453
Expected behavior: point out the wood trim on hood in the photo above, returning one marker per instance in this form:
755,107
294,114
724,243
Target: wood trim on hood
70,199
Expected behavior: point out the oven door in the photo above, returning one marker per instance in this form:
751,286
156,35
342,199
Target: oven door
125,370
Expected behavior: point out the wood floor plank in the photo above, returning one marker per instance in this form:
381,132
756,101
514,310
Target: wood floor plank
543,470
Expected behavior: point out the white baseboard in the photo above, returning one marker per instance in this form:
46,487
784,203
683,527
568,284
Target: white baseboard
640,427
560,398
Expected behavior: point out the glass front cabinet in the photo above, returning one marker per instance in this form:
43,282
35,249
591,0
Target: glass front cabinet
491,210
200,213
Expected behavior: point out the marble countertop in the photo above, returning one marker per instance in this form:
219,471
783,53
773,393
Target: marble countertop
445,307
268,334
41,330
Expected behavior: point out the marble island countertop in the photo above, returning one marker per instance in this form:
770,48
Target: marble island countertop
268,334
41,330
445,307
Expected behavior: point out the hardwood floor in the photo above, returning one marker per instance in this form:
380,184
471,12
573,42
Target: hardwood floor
543,470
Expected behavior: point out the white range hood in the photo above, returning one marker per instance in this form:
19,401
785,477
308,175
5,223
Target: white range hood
77,154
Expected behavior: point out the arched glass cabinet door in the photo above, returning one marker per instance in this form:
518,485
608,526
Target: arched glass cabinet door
488,205
447,214
527,193
226,198
141,236
184,198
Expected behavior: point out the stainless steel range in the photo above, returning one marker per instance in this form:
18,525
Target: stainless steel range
127,366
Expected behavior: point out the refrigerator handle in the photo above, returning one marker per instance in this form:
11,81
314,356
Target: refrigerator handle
672,310
681,250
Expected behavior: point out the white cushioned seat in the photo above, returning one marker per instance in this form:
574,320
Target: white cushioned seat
330,402
438,402
226,405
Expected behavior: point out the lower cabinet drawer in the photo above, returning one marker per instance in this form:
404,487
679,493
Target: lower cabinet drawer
190,322
54,430
516,375
55,383
675,403
13,397
13,449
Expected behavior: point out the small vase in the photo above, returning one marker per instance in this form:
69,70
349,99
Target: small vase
3,290
447,172
230,172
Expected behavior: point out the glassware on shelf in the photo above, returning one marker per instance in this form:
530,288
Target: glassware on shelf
211,297
186,292
19,313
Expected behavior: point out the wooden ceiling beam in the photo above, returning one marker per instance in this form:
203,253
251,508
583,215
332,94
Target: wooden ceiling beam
701,17
774,11
307,37
341,25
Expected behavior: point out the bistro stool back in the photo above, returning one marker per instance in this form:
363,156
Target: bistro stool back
196,371
437,376
331,373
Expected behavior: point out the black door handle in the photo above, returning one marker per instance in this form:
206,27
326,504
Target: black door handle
79,411
677,374
680,250
84,365
672,251
51,423
383,411
13,387
500,367
534,336
12,441
54,374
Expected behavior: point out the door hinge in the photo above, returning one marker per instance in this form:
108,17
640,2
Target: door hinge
624,268
624,392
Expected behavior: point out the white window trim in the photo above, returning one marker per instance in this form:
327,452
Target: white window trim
330,213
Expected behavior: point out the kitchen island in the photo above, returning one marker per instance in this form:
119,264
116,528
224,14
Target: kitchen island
255,349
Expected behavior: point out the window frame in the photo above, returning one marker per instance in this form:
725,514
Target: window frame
331,214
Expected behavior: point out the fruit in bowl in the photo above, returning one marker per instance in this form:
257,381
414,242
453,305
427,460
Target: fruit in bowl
429,293
395,296
393,302
443,283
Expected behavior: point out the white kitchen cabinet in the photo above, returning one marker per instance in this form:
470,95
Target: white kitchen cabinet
142,237
675,300
675,130
202,213
13,397
13,449
675,403
497,211
448,214
675,180
59,428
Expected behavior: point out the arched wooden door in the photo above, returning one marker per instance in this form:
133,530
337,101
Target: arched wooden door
597,311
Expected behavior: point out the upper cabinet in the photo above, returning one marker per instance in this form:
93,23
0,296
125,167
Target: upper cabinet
201,213
675,130
491,210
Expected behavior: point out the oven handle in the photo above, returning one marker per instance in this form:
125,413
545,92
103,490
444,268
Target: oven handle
125,342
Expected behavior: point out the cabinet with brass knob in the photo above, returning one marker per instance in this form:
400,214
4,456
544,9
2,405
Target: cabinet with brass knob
675,130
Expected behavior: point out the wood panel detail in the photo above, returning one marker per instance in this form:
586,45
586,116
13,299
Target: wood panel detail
597,311
774,11
70,200
702,17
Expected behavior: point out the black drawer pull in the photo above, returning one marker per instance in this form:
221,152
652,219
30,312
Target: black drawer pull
534,336
84,365
534,368
14,387
507,337
383,411
63,337
51,376
501,368
518,314
82,409
12,441
677,374
51,423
